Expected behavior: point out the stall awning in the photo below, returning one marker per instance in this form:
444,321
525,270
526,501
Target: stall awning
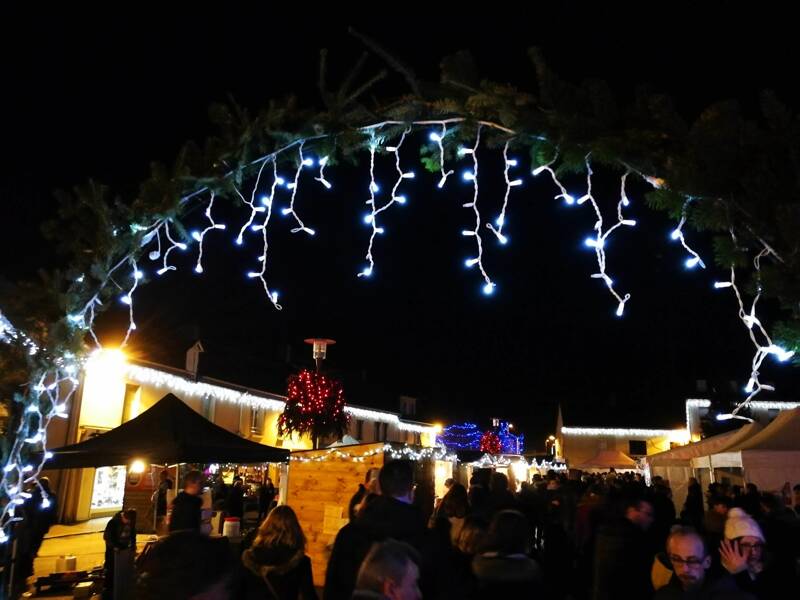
168,432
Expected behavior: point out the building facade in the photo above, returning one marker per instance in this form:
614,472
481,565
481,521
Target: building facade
114,390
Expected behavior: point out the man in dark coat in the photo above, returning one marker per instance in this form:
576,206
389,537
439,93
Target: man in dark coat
391,515
187,506
120,534
623,554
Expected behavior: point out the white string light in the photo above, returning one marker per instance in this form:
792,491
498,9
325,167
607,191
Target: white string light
302,162
372,217
501,219
200,236
488,288
268,202
439,139
174,244
322,164
404,453
127,299
677,234
254,209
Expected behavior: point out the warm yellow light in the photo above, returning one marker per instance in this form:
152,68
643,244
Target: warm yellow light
106,361
679,436
137,467
552,438
511,426
437,427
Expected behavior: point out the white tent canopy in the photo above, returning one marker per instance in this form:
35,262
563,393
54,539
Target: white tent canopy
609,459
676,465
769,458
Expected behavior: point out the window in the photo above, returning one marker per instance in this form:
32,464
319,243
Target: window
359,429
376,436
255,421
637,447
130,405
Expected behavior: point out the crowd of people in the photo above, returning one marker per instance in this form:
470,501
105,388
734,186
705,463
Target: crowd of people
597,537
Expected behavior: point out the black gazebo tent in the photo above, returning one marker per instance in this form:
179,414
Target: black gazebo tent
169,432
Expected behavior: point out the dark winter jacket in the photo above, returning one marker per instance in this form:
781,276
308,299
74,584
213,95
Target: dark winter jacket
506,576
274,573
721,588
384,518
622,562
186,513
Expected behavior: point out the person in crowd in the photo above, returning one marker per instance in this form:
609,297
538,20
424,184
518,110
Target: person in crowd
266,494
186,513
691,563
276,565
160,497
692,512
623,554
714,521
390,571
234,503
119,534
389,515
187,565
504,567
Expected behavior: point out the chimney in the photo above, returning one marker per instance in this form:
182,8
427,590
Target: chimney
193,359
701,386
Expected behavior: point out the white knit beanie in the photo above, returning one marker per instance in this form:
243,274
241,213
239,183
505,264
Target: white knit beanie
740,524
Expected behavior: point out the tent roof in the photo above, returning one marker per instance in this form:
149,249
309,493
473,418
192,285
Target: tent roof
782,434
608,459
168,432
681,455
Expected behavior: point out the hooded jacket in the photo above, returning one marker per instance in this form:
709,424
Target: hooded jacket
275,572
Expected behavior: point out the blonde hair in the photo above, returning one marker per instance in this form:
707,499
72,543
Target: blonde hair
281,528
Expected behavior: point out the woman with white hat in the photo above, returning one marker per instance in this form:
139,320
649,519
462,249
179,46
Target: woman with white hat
743,556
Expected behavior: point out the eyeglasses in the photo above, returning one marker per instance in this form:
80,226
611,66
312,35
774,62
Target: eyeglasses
756,546
691,562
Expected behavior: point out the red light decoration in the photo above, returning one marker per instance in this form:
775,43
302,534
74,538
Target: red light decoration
490,442
314,406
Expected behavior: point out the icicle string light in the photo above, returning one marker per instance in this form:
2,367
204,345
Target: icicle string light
200,236
677,234
472,176
501,219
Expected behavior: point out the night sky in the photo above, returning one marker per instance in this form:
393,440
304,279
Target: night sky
101,95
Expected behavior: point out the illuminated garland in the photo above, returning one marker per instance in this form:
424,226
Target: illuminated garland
404,453
490,442
314,406
53,376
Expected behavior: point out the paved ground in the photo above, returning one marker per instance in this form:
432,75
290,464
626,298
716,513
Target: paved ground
82,540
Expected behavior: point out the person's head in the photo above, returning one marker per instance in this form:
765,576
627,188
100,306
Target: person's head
390,569
396,480
690,560
751,488
455,502
771,503
720,504
193,483
508,533
162,475
186,565
743,529
281,528
238,483
639,512
472,537
498,483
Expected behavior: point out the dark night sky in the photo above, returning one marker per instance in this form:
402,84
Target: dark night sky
101,95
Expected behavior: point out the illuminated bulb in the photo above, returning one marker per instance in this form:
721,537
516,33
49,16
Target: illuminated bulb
538,170
239,240
309,231
625,201
368,218
275,294
196,235
392,148
676,234
629,222
9,467
280,181
125,299
515,183
569,199
45,503
488,289
471,262
780,353
286,211
198,269
253,274
256,227
162,270
503,239
691,263
440,185
409,175
751,384
308,162
400,199
722,284
620,309
366,272
76,318
326,183
291,186
138,274
35,439
467,232
266,200
182,246
594,242
48,455
435,137
462,151
323,161
27,468
511,162
583,199
468,176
